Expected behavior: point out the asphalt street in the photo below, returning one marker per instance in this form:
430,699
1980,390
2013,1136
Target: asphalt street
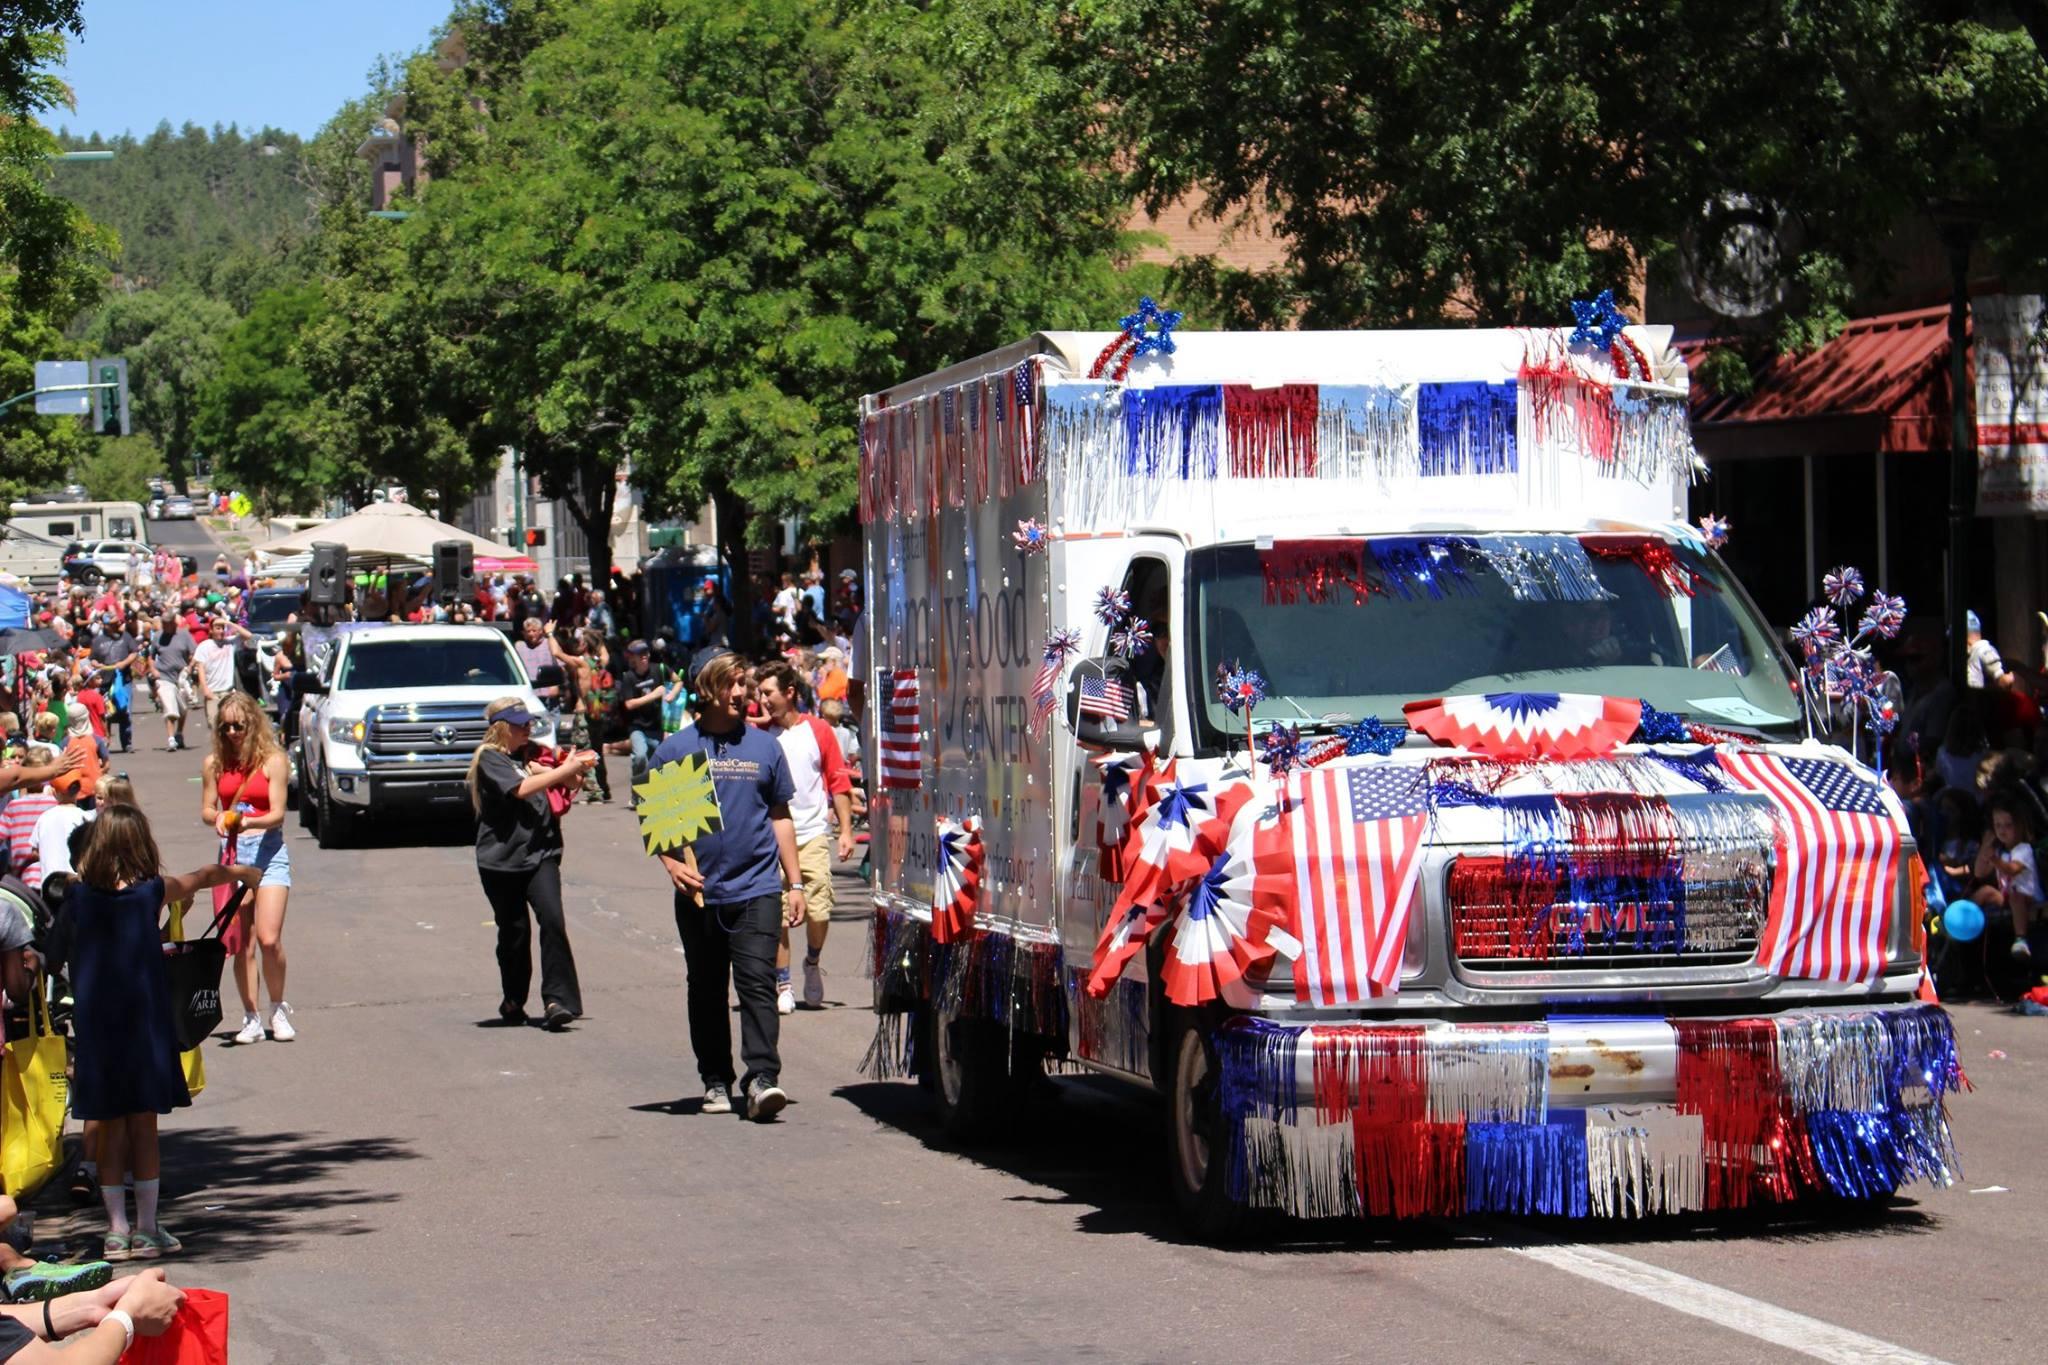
406,1183
403,1183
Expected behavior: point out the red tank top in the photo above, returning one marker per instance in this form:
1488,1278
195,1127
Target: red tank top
250,788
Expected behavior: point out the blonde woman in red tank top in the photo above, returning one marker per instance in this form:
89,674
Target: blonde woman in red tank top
242,795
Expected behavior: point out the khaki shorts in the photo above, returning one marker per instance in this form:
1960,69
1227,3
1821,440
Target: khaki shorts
814,861
167,698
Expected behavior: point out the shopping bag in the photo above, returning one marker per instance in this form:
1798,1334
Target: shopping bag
198,1335
192,1060
194,967
33,1095
232,932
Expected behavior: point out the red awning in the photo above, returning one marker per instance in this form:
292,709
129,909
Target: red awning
1881,385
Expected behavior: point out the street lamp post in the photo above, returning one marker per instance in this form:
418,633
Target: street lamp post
1958,229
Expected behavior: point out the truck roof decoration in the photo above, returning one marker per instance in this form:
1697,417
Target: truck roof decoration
1537,418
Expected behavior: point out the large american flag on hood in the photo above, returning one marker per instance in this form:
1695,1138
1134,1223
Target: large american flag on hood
1838,866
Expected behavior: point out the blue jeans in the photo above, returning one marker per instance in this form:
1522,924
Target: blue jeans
643,746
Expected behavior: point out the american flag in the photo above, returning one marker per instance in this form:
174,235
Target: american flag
1356,835
1025,435
902,748
1838,864
1105,697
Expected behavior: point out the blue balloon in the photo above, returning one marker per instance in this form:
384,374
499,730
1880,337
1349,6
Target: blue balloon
1963,920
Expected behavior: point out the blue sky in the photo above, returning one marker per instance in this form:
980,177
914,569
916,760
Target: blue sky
287,63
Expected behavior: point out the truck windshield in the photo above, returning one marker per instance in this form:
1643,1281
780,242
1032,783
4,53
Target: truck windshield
1707,657
390,665
268,610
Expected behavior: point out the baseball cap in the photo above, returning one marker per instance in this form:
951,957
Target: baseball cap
1970,620
637,647
16,929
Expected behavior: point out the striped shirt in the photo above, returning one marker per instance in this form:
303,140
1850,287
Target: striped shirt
18,828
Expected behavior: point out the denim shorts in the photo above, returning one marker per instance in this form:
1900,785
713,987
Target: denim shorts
266,849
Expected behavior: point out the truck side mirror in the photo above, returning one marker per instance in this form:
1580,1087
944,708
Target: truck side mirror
1103,704
548,676
309,681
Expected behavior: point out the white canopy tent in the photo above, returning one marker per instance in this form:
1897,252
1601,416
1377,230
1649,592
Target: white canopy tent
394,530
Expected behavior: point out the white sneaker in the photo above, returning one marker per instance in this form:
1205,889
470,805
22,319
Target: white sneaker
814,984
785,999
281,1023
252,1029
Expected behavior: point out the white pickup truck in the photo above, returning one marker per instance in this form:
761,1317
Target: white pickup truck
390,716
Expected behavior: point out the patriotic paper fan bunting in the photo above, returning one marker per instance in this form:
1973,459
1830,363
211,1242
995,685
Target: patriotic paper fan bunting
1184,825
1217,924
956,879
1523,725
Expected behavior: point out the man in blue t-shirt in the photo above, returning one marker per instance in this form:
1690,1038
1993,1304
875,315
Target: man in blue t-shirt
739,875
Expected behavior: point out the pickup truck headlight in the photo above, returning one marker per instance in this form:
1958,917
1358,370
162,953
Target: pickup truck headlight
345,731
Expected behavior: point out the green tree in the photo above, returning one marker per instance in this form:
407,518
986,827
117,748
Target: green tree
47,243
268,430
172,341
119,468
35,452
1486,162
694,234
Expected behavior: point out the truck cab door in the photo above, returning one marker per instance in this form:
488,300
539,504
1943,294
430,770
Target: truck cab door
1110,1032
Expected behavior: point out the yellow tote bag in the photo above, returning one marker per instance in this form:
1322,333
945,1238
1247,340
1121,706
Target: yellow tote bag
195,1065
33,1096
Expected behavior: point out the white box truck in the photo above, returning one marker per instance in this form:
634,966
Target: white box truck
1345,735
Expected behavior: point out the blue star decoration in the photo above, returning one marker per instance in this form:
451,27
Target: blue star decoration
1162,321
1599,322
1372,736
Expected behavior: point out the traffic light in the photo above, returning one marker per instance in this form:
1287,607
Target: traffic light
110,405
536,536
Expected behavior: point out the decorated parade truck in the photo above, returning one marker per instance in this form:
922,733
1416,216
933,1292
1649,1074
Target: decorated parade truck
1346,735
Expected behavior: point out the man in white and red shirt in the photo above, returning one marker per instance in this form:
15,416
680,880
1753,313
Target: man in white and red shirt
823,790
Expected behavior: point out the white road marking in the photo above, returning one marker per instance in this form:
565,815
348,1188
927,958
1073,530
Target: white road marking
1725,1307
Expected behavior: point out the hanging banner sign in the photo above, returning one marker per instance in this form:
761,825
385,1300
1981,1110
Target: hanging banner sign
2012,405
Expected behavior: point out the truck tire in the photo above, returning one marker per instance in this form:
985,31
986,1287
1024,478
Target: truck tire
335,823
976,1084
1197,1139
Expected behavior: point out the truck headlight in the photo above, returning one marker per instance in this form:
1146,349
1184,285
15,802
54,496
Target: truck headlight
345,731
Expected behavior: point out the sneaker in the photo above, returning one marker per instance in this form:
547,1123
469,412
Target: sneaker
2020,951
39,1280
764,1100
558,1018
717,1100
150,1245
814,984
281,1023
785,999
117,1246
252,1029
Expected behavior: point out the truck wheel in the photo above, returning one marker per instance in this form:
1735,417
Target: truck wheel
334,822
975,1084
1197,1139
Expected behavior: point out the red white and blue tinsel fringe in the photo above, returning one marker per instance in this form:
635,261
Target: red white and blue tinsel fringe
1408,1120
989,975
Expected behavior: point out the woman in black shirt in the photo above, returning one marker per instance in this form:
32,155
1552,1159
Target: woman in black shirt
519,857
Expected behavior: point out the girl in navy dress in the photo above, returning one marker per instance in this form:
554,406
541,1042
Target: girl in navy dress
124,1050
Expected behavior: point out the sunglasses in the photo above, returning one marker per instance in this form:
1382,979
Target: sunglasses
233,727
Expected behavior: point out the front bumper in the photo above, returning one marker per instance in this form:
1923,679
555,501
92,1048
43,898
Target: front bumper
1602,1117
410,788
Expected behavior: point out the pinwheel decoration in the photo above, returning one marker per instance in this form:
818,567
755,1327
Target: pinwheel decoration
1525,725
1715,529
956,879
1841,668
1031,538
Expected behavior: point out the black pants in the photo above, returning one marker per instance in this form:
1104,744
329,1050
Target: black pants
736,940
509,894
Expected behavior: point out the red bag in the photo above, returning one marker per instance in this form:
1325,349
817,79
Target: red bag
562,795
231,936
198,1335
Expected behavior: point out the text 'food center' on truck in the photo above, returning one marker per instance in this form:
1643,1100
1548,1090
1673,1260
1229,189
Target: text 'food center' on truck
1346,735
